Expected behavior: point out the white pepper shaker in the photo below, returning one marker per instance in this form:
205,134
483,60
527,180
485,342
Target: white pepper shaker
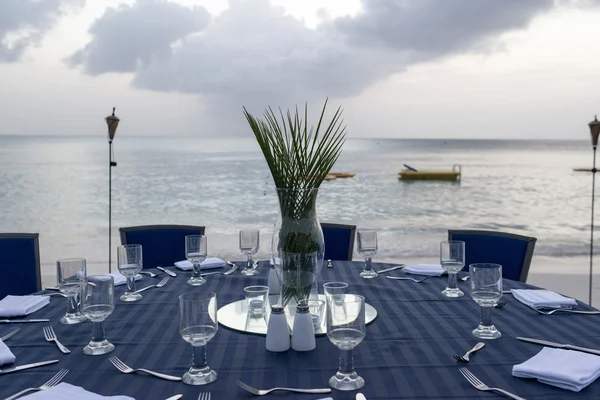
278,332
303,333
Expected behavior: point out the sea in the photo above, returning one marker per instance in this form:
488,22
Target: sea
58,187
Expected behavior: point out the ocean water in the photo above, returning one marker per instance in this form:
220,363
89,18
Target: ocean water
58,186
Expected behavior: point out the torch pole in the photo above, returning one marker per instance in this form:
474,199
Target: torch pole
110,165
592,226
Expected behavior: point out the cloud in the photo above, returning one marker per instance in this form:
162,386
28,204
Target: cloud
24,22
131,37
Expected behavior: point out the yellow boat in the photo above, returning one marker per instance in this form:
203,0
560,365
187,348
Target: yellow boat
411,174
582,169
342,174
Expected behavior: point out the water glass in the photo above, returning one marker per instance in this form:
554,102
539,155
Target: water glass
197,326
486,290
249,245
317,311
129,262
69,274
367,247
97,303
346,329
257,299
335,290
195,252
452,259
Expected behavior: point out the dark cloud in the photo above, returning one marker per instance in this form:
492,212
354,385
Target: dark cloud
129,38
24,22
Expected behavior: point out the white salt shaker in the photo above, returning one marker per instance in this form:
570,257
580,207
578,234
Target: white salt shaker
278,332
303,334
273,282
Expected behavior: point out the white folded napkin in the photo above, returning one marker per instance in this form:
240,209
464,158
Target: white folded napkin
120,279
566,369
19,306
424,269
542,298
211,262
64,391
6,356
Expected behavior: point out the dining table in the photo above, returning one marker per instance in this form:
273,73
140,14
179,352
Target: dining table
407,352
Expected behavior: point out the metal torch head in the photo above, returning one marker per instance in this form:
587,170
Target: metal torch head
112,121
595,131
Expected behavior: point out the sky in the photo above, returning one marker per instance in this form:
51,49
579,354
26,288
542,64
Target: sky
399,68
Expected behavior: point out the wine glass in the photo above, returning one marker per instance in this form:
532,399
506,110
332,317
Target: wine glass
129,261
195,252
486,290
249,245
452,259
197,326
367,247
69,274
346,329
97,303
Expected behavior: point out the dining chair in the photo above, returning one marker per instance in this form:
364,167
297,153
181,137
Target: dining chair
513,252
162,245
19,264
339,241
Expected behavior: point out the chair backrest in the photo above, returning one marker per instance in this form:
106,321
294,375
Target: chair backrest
339,241
19,264
513,252
162,245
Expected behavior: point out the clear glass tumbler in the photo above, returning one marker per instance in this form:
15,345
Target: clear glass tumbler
70,272
249,245
452,259
129,262
196,250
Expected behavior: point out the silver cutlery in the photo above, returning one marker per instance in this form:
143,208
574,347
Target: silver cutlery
360,396
51,337
166,271
176,397
552,310
230,263
507,292
477,384
55,294
51,288
22,321
500,304
408,279
228,272
126,369
259,392
55,380
329,263
160,284
465,358
27,366
395,267
10,334
150,274
559,345
465,278
204,396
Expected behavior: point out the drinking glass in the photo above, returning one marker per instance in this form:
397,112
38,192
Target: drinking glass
316,309
367,247
197,326
249,245
346,329
195,252
129,261
335,290
97,303
452,259
257,298
486,290
69,274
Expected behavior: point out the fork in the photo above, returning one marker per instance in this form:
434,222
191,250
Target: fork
55,380
150,274
126,369
160,284
259,392
546,311
9,335
477,384
465,358
228,272
408,279
204,396
51,337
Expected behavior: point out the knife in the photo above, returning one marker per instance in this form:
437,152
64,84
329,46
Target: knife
21,321
176,397
27,366
559,345
360,396
166,271
391,269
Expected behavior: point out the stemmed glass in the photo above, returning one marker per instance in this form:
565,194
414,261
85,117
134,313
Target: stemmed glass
367,247
249,245
486,290
97,303
195,252
197,326
346,329
69,274
129,261
452,259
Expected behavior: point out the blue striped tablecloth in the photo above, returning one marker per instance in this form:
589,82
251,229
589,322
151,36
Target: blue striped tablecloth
407,353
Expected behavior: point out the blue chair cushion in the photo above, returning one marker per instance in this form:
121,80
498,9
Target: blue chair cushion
338,243
18,266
